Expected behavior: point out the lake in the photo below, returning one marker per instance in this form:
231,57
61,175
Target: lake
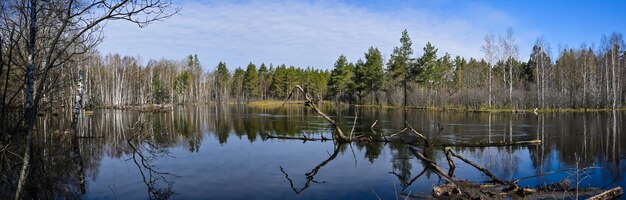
220,152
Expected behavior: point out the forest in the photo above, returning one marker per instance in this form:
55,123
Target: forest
585,77
50,66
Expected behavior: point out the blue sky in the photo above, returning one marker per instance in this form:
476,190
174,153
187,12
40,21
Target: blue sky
315,33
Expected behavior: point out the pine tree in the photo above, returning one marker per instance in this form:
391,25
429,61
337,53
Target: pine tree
400,63
159,93
251,82
369,74
341,79
237,84
222,79
263,81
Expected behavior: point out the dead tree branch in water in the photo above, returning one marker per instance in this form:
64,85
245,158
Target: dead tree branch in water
609,194
453,187
338,134
473,164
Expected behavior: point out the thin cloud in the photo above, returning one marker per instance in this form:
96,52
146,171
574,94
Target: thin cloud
295,33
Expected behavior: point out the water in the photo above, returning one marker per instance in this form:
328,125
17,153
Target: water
208,152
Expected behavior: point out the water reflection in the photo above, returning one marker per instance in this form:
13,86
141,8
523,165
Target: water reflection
210,145
310,176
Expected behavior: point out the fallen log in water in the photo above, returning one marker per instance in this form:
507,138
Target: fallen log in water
473,164
490,144
453,188
613,193
303,138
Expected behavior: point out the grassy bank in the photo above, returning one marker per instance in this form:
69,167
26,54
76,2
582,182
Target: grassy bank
277,103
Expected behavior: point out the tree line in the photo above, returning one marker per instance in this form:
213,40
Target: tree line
117,81
584,77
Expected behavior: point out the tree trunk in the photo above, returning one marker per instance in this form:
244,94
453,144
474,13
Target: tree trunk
30,107
75,114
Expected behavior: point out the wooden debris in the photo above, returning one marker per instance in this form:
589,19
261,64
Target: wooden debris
613,193
338,135
446,190
473,164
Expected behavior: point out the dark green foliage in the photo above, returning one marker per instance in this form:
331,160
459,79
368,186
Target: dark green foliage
401,63
237,84
341,79
182,82
222,81
368,76
264,80
251,82
158,91
428,70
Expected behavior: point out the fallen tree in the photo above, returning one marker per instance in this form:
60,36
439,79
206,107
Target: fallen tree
453,188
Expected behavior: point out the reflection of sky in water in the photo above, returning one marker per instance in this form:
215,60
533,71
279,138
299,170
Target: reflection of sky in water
230,160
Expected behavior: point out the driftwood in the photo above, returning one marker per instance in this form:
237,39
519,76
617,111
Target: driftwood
450,161
473,164
419,135
613,193
303,138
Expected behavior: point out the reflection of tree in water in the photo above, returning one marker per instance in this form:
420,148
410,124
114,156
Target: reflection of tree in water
310,176
372,149
53,170
598,141
222,121
185,123
145,151
401,160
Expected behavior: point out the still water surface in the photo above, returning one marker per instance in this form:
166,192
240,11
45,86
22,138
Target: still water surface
209,152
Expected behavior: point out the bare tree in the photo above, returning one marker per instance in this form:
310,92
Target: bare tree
509,52
62,29
490,51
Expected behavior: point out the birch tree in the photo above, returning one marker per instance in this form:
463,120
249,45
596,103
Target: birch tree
510,52
58,30
490,51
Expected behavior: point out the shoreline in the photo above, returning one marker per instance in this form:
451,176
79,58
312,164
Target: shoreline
278,103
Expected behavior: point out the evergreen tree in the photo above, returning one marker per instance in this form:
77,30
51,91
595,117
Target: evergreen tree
222,81
237,84
400,63
427,66
251,82
369,74
263,81
279,85
359,85
429,71
159,93
182,82
341,78
374,69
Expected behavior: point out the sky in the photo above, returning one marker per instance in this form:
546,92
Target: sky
315,33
